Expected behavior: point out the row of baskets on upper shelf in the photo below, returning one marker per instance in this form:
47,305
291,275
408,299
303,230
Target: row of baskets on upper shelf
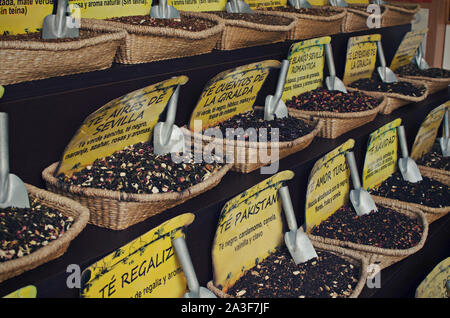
133,40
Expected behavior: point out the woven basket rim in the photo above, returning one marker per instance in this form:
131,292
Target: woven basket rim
337,250
409,8
340,13
248,144
52,247
332,115
86,24
428,79
434,170
47,175
403,209
264,27
170,32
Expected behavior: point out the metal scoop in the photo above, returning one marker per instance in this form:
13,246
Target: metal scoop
13,192
408,168
386,74
419,57
300,4
195,291
274,105
338,3
444,141
333,82
168,137
56,26
361,200
164,11
296,240
238,6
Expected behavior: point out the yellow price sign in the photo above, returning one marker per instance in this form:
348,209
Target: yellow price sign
426,137
25,292
381,155
407,48
361,57
435,284
25,16
255,4
250,229
328,186
198,5
305,72
147,267
230,93
124,121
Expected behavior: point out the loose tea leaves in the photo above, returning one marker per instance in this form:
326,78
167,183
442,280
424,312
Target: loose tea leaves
385,228
23,231
427,192
191,24
322,99
36,37
413,70
137,170
254,18
277,276
290,128
323,12
400,87
434,159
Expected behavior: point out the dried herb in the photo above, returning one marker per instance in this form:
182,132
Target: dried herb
254,18
191,24
36,37
413,70
400,87
435,159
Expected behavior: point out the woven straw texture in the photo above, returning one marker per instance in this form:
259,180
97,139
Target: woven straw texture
354,258
337,124
55,248
434,84
383,257
394,100
400,13
356,17
246,154
147,44
443,176
22,61
119,210
239,34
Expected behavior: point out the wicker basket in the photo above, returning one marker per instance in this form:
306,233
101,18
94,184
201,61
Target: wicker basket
337,124
434,84
394,100
356,17
239,34
22,61
119,210
246,154
349,256
399,13
443,176
147,44
383,257
55,248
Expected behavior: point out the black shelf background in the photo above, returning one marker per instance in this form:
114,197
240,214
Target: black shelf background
45,114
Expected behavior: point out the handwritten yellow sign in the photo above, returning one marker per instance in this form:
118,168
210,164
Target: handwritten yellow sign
25,292
25,16
147,267
407,48
250,229
306,67
426,137
328,186
361,57
381,156
124,121
230,93
435,284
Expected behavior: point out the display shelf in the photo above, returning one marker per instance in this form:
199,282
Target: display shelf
45,114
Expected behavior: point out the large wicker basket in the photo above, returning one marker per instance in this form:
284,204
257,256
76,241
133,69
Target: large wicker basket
119,210
55,248
399,13
22,61
353,258
337,124
434,84
443,176
356,17
383,257
394,100
239,34
147,44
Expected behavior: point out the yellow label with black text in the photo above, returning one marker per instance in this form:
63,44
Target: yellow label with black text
306,67
361,57
25,292
25,16
381,155
124,121
407,49
230,93
328,186
250,229
198,5
426,137
147,267
255,4
327,2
